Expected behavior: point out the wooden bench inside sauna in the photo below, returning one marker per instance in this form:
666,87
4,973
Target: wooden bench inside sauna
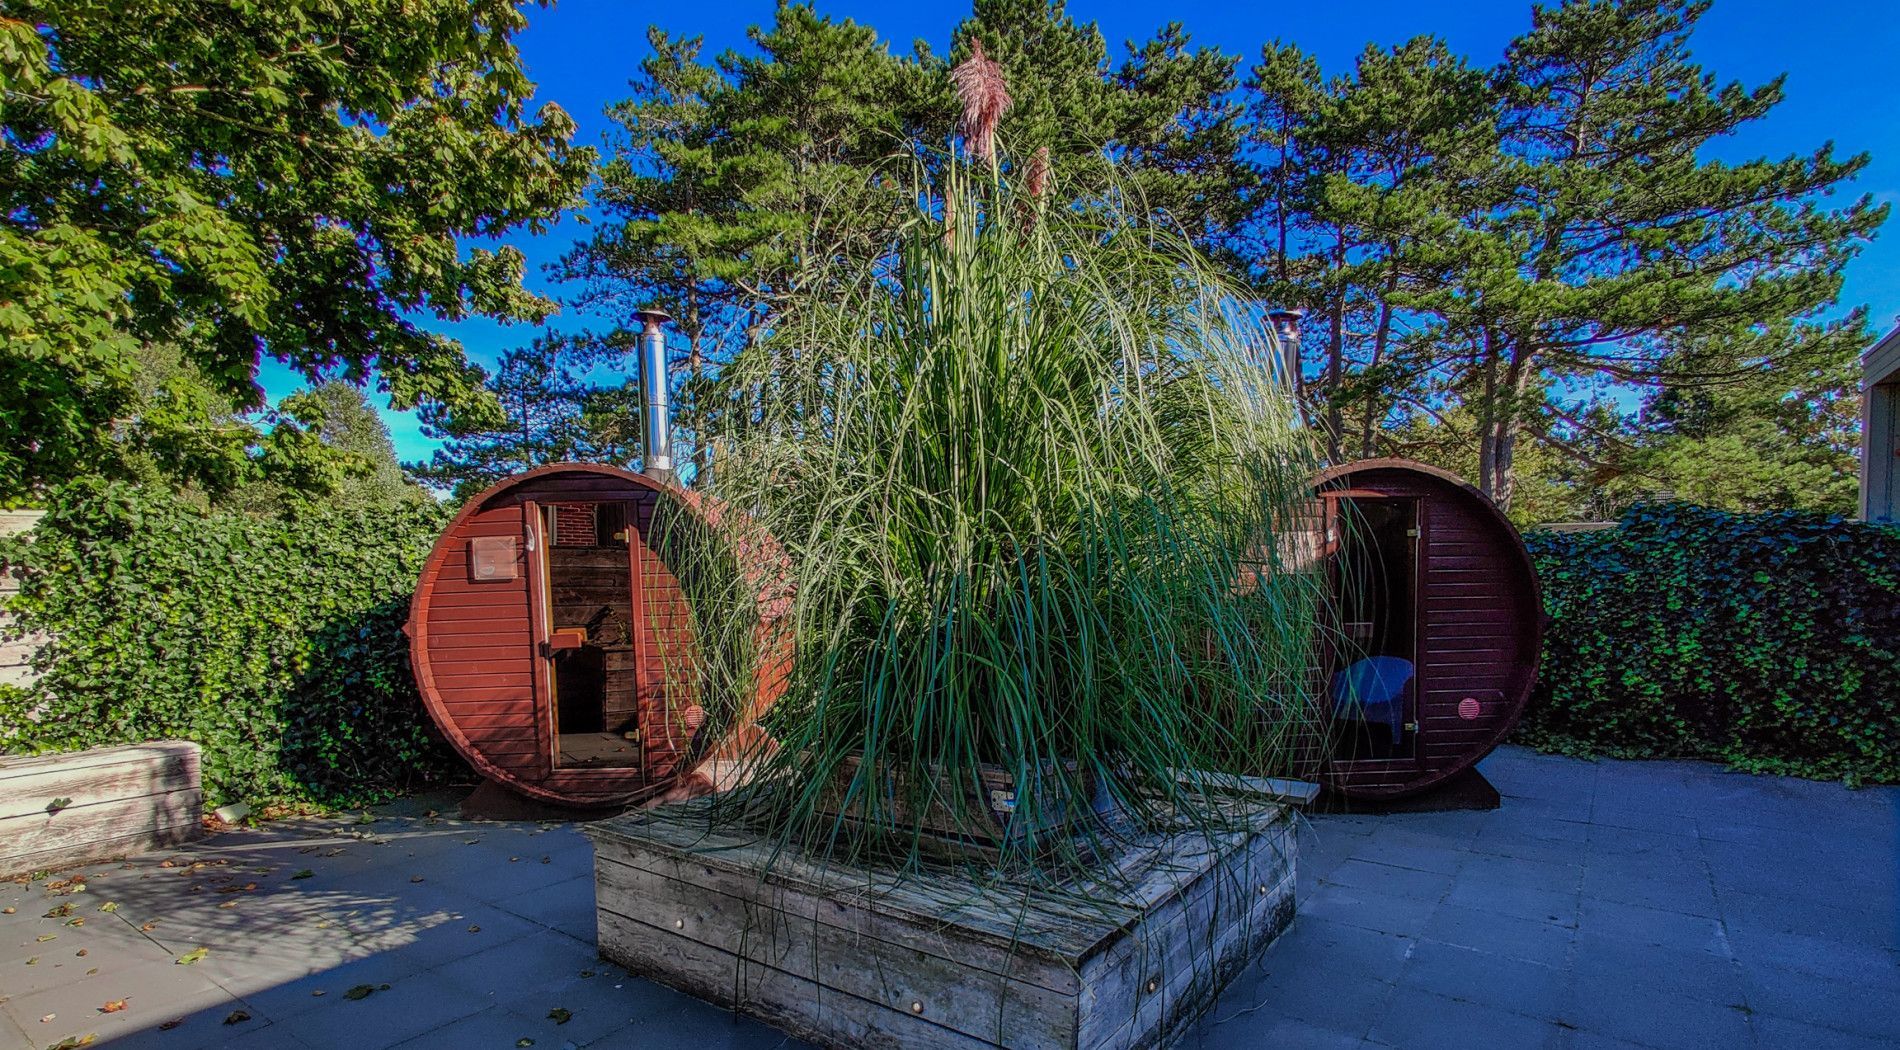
552,639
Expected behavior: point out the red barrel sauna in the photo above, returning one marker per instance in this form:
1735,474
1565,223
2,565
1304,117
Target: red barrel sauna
552,640
1440,623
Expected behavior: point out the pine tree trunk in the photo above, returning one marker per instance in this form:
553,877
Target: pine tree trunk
1336,360
1487,419
1381,336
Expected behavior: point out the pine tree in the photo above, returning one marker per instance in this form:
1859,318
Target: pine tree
1605,239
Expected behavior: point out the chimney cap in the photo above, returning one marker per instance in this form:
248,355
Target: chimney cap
652,316
1286,322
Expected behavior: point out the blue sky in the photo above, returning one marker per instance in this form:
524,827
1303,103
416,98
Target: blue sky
1838,55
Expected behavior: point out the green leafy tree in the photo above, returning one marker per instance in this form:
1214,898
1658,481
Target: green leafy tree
289,178
179,431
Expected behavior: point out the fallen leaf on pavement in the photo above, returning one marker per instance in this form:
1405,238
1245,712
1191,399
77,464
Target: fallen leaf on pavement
237,1017
112,1006
109,907
524,1041
193,956
171,1024
60,912
361,991
81,953
306,873
44,937
149,927
559,1015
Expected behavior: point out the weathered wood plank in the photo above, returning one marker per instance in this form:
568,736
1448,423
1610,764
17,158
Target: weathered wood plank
85,787
73,808
845,913
786,1001
944,988
945,901
1141,950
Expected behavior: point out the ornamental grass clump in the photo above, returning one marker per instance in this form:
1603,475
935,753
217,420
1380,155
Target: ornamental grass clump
1033,472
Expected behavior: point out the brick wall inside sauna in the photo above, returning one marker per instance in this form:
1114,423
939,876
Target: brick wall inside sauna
574,526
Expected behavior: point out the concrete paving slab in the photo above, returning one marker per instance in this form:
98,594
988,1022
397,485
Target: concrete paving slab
1530,940
1420,1020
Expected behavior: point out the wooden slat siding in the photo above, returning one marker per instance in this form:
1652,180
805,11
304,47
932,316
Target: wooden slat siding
1479,626
838,956
465,667
813,896
120,800
876,971
478,658
780,999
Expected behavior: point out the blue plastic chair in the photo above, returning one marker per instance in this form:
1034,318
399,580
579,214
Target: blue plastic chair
1373,690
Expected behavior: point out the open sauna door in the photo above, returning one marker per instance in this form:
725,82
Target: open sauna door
590,606
1371,674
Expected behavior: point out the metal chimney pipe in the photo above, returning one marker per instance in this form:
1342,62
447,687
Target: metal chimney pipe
1286,327
655,411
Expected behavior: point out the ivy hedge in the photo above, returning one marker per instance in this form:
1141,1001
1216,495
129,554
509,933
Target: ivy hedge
1770,642
274,642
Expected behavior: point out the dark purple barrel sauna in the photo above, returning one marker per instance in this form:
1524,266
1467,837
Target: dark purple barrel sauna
1439,626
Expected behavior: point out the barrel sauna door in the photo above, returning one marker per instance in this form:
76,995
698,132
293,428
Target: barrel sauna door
590,609
1372,684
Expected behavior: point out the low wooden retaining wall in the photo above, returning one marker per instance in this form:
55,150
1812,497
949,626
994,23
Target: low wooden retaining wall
61,810
851,958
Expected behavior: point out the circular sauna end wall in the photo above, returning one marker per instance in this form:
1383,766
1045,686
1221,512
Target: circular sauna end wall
1441,624
549,636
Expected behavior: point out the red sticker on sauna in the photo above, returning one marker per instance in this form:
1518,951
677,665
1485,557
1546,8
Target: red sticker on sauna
1469,708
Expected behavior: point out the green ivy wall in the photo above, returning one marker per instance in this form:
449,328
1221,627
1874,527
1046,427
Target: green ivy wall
273,642
1770,642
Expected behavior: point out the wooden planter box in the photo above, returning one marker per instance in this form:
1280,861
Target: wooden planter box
846,957
60,810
